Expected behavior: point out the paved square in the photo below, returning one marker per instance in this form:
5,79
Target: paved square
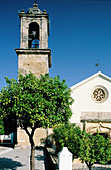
19,159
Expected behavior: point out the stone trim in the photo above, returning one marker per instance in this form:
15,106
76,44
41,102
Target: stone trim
96,116
99,126
99,94
33,15
32,51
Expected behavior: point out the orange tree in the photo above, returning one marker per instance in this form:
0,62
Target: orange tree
36,102
95,149
68,135
90,149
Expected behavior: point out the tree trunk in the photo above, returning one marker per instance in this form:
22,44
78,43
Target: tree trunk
89,165
32,157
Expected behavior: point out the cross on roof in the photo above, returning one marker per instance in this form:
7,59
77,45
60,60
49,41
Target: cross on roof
35,1
97,65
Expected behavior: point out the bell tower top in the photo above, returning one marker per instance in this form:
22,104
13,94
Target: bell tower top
33,54
34,28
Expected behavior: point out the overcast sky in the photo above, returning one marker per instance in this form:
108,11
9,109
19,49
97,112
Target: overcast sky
80,36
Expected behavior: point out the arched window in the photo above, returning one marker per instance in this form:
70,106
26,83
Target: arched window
33,35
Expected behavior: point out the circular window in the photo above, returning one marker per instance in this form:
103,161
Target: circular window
99,94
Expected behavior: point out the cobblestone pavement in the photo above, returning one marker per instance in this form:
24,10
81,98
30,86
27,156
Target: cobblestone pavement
19,159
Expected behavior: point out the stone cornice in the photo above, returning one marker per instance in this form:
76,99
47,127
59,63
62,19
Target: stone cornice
96,120
96,116
33,15
32,51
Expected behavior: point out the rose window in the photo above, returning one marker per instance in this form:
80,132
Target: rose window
99,94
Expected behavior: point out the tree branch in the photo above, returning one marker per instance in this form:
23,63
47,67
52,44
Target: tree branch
27,131
33,130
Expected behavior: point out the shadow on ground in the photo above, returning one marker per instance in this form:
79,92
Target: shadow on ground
43,158
7,163
39,157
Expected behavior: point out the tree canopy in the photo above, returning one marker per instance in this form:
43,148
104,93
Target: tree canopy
1,127
36,102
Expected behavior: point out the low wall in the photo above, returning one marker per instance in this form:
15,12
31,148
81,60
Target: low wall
53,158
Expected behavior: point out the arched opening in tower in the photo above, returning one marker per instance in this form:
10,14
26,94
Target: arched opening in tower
33,35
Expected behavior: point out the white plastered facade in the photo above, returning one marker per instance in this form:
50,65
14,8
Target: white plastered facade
92,104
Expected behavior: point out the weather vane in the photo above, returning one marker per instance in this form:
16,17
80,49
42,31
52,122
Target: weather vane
97,65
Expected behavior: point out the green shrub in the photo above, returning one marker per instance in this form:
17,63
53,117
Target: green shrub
68,135
90,149
95,149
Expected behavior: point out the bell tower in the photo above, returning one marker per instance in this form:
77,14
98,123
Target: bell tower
33,54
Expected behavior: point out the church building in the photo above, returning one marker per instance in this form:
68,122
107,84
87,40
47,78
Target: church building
91,109
92,104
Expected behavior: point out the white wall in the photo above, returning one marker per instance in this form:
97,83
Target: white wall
83,101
